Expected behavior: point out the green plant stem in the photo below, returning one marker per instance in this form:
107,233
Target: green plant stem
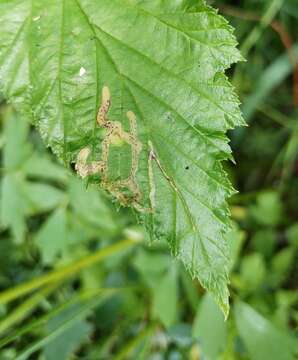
265,20
84,296
25,308
289,159
126,352
255,35
277,117
92,302
65,272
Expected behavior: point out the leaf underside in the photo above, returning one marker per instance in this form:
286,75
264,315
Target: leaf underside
161,60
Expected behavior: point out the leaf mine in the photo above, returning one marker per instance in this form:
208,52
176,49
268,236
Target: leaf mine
127,190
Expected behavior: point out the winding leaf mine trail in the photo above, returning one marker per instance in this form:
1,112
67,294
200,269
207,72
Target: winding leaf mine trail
115,134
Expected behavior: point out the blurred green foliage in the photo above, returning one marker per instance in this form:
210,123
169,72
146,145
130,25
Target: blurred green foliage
134,301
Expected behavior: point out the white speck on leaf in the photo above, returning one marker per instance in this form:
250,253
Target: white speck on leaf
36,18
82,71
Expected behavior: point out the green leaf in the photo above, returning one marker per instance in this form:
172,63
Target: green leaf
42,197
190,291
165,297
281,265
292,234
16,148
268,210
52,237
210,328
73,338
235,238
261,338
252,272
75,313
42,167
285,304
264,242
67,227
13,207
90,206
151,265
19,197
13,203
162,65
62,347
161,275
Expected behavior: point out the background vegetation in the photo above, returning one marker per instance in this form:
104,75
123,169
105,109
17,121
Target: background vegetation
135,301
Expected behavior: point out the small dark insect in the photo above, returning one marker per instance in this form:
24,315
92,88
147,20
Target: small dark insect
186,167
